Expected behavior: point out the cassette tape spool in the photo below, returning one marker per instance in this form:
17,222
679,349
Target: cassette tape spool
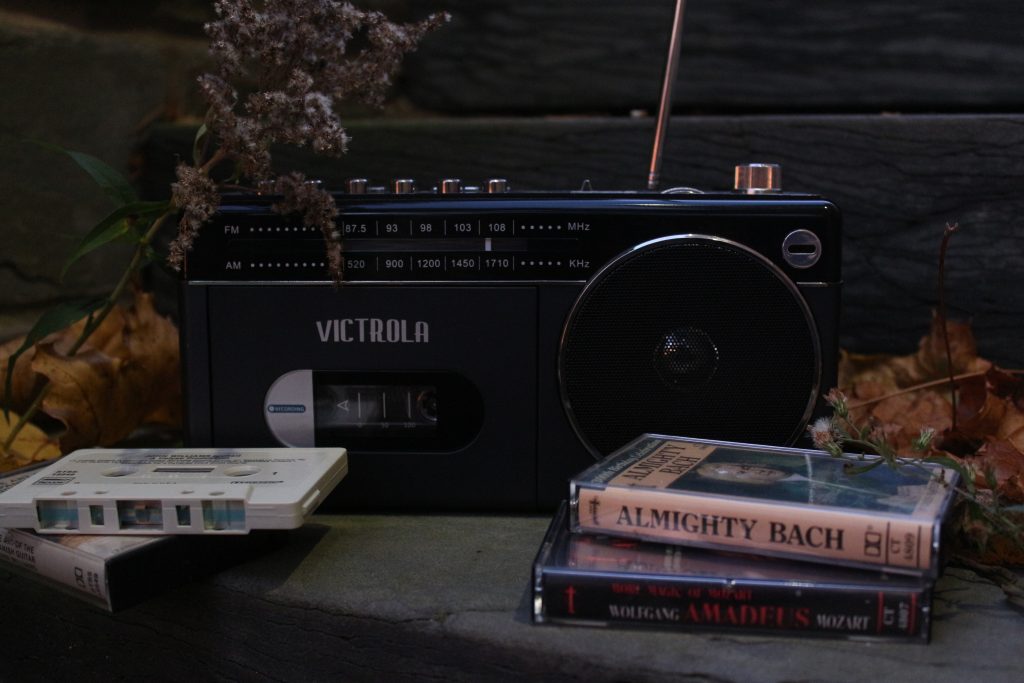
174,491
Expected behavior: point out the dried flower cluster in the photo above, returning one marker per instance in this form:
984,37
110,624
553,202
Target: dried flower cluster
837,433
317,207
196,195
297,59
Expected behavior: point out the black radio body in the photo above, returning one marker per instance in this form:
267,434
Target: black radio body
485,347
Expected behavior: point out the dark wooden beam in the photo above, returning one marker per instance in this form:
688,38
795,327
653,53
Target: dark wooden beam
785,55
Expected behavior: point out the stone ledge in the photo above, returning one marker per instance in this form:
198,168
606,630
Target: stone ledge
365,597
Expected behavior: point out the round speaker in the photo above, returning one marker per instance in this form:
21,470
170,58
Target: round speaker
691,335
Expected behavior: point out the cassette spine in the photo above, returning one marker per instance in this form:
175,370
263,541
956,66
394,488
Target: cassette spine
800,609
82,574
823,535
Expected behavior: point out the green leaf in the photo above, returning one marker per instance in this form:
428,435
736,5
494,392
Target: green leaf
116,224
199,145
113,184
54,320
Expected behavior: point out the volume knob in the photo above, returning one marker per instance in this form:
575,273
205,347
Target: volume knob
497,186
405,186
758,178
451,186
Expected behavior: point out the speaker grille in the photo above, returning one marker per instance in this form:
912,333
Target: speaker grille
690,336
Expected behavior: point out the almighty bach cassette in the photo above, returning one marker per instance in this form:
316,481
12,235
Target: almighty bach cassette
786,502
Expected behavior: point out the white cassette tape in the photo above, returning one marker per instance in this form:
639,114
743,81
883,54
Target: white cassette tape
174,491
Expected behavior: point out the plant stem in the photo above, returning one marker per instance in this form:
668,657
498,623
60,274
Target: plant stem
946,235
220,155
917,387
92,323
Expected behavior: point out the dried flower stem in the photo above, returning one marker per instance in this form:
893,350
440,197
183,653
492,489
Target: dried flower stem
946,235
297,52
927,385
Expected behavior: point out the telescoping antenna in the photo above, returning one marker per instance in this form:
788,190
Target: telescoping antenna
665,104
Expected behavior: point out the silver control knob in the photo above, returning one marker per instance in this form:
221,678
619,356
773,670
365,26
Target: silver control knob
405,186
497,186
758,178
451,186
358,185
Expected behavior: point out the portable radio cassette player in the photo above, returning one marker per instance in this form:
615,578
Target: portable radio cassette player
487,345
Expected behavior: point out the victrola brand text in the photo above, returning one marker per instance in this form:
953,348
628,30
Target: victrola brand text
374,331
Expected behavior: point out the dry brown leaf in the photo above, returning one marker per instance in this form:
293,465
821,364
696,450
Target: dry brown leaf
978,419
126,376
25,382
152,362
989,434
903,416
30,445
871,376
897,396
868,378
1006,463
932,361
101,396
83,396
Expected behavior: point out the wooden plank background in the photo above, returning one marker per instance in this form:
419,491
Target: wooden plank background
541,92
738,55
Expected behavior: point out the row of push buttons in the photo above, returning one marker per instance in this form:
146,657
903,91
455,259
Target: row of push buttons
446,186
